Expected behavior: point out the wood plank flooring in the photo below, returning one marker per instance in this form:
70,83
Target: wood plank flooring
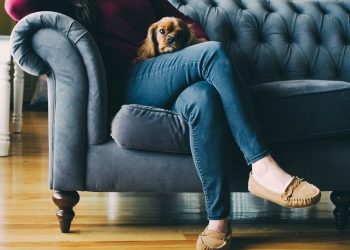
147,221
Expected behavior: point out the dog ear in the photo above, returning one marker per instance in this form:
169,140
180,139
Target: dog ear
192,39
149,48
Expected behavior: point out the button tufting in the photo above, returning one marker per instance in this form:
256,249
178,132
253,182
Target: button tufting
213,3
243,8
289,39
322,9
255,36
317,38
346,42
296,8
260,37
268,7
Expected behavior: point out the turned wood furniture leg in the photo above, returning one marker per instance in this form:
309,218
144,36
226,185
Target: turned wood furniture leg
5,89
341,200
18,84
65,200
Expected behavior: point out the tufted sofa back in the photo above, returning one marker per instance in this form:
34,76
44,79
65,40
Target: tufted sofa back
274,40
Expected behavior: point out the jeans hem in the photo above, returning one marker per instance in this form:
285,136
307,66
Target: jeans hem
253,159
218,217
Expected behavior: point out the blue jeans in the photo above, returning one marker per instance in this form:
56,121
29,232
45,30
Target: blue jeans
200,83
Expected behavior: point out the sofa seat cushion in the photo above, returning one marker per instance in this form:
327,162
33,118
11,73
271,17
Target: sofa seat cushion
149,128
286,110
302,109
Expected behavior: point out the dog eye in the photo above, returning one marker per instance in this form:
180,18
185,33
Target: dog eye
162,31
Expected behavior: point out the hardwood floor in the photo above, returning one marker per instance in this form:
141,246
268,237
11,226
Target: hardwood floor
139,220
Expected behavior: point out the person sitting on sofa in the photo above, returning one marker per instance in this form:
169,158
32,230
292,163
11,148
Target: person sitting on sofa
201,84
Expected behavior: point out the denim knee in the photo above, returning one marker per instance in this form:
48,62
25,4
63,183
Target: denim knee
214,46
200,99
214,53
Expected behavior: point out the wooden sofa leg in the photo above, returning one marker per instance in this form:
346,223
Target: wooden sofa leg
341,200
65,200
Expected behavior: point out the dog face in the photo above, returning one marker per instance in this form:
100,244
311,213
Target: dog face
167,35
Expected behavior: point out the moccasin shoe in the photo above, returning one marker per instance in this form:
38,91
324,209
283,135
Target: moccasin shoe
212,240
299,193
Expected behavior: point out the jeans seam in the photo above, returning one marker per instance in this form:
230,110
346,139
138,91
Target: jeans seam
199,168
205,74
197,160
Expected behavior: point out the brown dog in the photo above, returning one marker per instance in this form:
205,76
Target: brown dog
167,35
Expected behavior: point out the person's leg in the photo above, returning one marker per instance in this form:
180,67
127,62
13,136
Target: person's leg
211,146
158,81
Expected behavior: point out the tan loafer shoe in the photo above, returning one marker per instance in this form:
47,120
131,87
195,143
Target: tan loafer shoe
299,193
213,240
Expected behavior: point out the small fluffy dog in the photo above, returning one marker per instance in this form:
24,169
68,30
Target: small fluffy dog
167,35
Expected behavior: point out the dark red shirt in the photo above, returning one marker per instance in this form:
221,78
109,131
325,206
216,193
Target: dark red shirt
121,24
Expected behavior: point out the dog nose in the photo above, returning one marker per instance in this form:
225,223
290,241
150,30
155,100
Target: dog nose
171,39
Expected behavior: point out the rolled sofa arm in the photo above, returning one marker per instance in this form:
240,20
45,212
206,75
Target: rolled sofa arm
55,44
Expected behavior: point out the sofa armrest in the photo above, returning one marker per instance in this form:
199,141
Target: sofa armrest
55,44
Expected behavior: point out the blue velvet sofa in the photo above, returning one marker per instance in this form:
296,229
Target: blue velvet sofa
294,55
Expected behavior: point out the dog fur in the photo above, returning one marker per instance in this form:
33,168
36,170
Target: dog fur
167,35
